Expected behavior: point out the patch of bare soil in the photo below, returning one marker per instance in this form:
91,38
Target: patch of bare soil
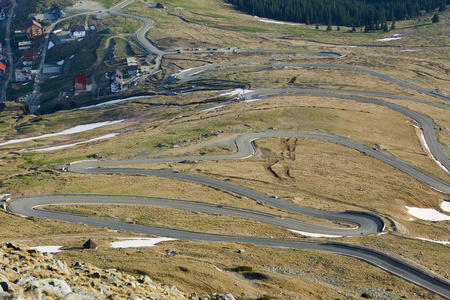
82,6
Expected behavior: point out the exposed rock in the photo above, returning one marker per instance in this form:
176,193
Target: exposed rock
29,274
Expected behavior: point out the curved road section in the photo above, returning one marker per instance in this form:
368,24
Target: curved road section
25,205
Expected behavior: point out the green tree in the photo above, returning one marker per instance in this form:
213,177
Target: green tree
435,18
393,25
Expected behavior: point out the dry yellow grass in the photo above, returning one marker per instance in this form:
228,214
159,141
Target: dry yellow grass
206,267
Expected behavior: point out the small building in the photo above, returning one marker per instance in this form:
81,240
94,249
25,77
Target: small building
24,43
132,70
3,55
79,82
116,81
33,29
77,31
159,5
145,69
29,55
90,244
2,68
132,66
4,3
22,75
131,61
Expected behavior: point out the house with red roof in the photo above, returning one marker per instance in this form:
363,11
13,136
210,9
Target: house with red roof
33,29
2,68
79,82
29,55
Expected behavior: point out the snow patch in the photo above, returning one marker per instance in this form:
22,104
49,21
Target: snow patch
428,214
445,206
396,36
140,242
236,92
48,249
72,56
50,45
76,129
433,241
75,144
251,100
275,22
113,102
315,234
212,108
60,63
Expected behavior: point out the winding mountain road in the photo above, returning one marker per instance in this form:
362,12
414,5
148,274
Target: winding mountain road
363,223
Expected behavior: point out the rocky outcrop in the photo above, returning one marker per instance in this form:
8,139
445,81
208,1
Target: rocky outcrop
26,273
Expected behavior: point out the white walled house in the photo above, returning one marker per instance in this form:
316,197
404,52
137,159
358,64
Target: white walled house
116,81
22,75
77,31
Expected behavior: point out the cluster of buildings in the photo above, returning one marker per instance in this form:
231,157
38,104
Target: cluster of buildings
26,37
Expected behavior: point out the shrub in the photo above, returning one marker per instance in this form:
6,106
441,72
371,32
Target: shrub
243,269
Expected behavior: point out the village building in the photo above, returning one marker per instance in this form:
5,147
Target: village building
22,75
132,66
90,244
116,81
2,68
29,55
3,55
4,3
159,5
33,29
79,82
132,70
77,31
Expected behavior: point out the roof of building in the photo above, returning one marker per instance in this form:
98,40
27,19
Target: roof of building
2,67
24,72
33,22
28,53
118,73
5,3
116,79
76,28
80,78
90,244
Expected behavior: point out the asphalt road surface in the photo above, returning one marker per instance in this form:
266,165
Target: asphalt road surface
363,223
24,206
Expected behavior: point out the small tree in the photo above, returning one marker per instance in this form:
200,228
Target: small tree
435,18
338,28
317,26
393,25
329,28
